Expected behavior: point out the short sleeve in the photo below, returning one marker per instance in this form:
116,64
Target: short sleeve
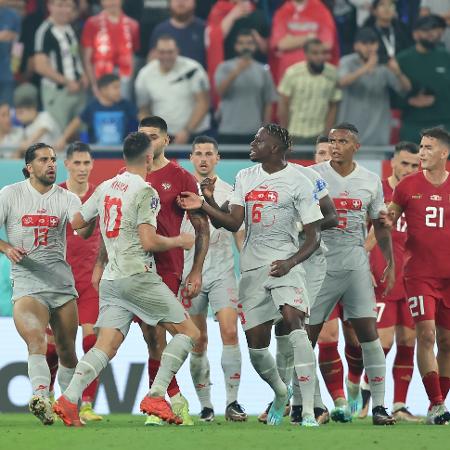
4,206
345,67
400,196
74,205
143,96
199,81
147,206
89,209
42,43
377,203
222,72
237,194
306,202
320,185
286,86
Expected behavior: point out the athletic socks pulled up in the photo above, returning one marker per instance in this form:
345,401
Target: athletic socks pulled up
332,370
39,375
65,375
200,373
52,361
266,368
375,366
153,366
402,372
285,358
353,355
432,386
89,393
231,366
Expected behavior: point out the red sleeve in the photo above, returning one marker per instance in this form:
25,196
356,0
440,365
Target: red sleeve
279,28
400,195
89,31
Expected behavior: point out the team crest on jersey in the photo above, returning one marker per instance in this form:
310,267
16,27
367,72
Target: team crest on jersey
154,203
416,196
436,198
166,186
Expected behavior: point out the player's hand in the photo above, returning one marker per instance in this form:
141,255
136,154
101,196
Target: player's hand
387,218
193,284
15,254
280,268
187,240
207,187
388,278
97,276
189,201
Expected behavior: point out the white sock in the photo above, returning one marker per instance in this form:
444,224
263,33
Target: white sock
65,375
199,365
231,366
375,366
285,358
39,375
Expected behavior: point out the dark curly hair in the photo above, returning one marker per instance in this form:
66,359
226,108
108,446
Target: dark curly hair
279,133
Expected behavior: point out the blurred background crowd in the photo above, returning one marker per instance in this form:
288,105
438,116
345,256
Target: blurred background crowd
89,69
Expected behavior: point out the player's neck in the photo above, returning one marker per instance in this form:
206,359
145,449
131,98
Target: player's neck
137,170
79,189
199,177
393,181
437,176
41,188
160,162
272,166
343,168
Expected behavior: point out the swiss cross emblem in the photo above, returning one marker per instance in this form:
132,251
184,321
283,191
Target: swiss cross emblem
271,196
356,203
53,221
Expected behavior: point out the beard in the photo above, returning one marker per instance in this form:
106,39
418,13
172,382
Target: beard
46,180
316,68
429,45
183,17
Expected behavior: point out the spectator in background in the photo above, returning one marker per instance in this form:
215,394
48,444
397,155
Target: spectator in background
37,126
441,8
363,8
10,135
57,60
247,93
393,35
226,18
365,84
295,23
9,33
109,117
427,65
344,14
322,152
188,30
203,8
309,95
109,42
176,88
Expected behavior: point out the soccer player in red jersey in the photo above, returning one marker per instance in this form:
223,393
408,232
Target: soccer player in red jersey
169,180
81,255
424,198
394,318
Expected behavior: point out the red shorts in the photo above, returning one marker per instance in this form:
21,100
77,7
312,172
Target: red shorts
429,299
394,312
87,303
172,281
337,313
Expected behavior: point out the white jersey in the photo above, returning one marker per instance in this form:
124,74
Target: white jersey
37,223
274,204
220,258
357,196
123,203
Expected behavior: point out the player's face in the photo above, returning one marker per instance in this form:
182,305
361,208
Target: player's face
322,152
204,157
404,163
159,139
261,147
167,52
79,166
433,154
343,145
43,166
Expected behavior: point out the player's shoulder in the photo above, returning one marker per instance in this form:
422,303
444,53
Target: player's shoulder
221,184
322,168
183,62
368,175
13,189
180,174
411,180
305,170
64,193
249,172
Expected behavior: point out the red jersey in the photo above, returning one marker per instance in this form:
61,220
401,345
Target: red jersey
377,261
301,20
169,182
82,253
427,212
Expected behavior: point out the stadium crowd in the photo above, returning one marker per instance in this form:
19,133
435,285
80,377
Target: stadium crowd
90,70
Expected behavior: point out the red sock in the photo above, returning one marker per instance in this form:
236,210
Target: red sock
153,366
433,388
445,386
353,355
52,361
89,393
402,372
330,364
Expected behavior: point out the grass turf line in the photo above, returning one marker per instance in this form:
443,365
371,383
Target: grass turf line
126,432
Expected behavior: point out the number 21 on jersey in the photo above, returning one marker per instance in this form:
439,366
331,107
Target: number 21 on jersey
112,216
434,216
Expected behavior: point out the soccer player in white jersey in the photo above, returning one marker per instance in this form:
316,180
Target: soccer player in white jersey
356,193
127,206
219,290
35,213
272,197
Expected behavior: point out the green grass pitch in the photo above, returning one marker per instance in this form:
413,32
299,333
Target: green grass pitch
126,432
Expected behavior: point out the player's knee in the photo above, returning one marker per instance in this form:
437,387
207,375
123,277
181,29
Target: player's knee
443,343
36,344
426,337
201,344
229,335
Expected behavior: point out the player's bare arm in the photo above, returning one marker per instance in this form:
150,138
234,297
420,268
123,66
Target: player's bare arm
199,221
84,229
312,241
230,220
330,216
14,254
153,242
239,238
99,267
384,239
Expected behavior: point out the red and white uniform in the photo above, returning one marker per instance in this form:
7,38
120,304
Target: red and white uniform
393,309
427,269
81,254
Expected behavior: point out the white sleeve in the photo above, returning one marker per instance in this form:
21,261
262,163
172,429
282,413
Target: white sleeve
4,206
307,203
237,195
89,209
199,81
74,205
376,204
320,185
